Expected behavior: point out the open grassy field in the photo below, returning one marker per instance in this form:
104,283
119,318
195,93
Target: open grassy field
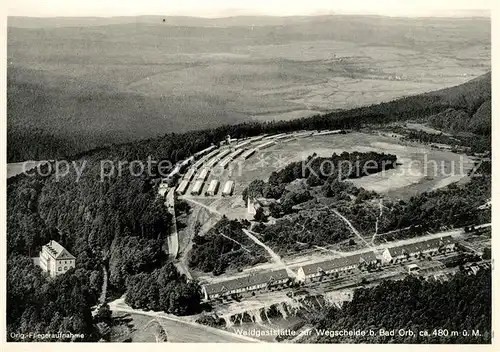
96,83
421,168
141,328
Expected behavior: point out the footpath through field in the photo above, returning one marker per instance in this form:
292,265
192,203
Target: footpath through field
209,208
356,232
276,258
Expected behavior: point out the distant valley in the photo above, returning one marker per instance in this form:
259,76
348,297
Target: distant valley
86,83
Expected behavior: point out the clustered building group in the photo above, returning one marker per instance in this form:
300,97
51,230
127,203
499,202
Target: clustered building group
56,260
196,169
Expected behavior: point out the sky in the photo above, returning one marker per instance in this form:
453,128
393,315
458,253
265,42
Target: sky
224,8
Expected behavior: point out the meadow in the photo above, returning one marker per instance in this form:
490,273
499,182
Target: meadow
141,328
416,171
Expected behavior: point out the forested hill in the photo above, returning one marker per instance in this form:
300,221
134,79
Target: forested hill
466,107
462,304
470,100
469,107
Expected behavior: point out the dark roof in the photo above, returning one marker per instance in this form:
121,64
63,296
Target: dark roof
338,263
246,281
58,251
420,246
368,256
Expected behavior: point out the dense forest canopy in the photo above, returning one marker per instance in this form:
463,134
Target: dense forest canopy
224,246
119,223
37,305
461,304
164,290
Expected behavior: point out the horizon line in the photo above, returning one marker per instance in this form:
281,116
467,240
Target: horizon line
475,13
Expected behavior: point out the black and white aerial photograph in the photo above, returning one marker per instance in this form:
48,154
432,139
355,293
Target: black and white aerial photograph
248,171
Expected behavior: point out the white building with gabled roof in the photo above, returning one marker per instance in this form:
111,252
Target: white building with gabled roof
426,248
55,259
339,266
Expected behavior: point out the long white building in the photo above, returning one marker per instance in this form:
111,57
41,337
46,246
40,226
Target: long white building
253,282
212,162
258,138
265,145
203,174
304,134
204,151
198,185
175,171
273,136
324,133
224,153
283,137
202,161
187,161
224,163
189,175
247,154
212,188
425,248
243,144
181,189
336,266
228,188
236,153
